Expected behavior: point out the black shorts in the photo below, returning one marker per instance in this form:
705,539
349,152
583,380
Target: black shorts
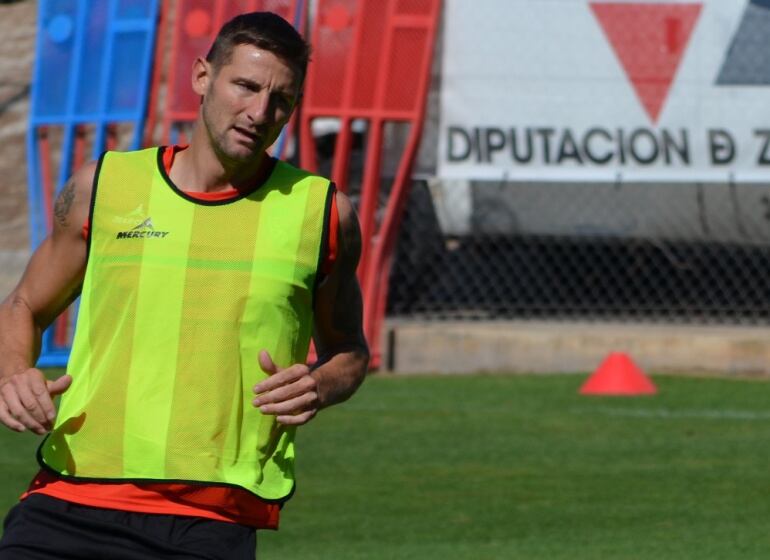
42,527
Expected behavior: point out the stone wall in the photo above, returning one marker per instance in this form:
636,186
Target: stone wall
17,29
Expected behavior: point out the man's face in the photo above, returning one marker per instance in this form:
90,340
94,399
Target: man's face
247,101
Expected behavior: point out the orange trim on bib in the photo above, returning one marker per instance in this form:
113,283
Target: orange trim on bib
221,503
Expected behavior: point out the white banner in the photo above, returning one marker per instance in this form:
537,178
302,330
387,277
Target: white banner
579,90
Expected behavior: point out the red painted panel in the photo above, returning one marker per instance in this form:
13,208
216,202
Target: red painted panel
194,26
332,39
415,7
403,75
367,66
372,61
196,23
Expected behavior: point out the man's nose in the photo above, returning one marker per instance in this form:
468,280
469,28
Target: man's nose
258,110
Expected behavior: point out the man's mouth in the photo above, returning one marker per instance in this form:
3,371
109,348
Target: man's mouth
251,136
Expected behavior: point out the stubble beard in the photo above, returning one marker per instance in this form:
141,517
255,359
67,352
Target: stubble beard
221,142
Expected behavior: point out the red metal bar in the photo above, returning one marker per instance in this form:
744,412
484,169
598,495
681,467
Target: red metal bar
378,57
157,73
343,144
342,150
112,137
44,149
370,190
307,146
79,149
171,76
61,329
377,287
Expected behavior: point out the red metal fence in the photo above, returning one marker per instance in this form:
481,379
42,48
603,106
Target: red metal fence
371,67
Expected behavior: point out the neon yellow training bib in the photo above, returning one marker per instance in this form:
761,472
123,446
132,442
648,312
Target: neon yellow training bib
179,297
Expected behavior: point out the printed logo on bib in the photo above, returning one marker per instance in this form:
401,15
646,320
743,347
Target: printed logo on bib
132,218
145,230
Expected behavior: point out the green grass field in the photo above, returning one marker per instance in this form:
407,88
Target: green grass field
520,467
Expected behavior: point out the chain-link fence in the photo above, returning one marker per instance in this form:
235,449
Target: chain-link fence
497,269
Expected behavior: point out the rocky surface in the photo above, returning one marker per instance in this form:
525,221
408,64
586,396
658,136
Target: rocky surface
17,29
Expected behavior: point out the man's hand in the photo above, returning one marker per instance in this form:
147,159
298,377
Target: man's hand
26,400
290,394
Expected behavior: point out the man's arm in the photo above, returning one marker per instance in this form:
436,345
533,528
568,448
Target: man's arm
51,281
297,393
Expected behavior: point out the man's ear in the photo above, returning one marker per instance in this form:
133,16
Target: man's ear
202,74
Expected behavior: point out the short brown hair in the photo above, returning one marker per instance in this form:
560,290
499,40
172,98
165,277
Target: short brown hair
264,30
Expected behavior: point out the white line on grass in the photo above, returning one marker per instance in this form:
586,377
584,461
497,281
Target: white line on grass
716,414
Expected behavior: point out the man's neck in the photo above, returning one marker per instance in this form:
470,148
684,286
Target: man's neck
199,169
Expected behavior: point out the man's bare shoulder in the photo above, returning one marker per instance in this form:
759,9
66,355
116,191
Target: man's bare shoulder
74,199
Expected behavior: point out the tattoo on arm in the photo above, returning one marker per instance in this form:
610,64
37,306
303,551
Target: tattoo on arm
64,203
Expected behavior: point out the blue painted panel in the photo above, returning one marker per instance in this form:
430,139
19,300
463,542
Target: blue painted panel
89,79
93,64
135,9
93,59
125,92
56,39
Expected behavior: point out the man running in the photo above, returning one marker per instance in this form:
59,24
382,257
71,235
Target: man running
203,273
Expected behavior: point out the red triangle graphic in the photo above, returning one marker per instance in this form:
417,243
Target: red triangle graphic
649,40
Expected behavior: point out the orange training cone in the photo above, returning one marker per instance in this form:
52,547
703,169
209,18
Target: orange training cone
618,375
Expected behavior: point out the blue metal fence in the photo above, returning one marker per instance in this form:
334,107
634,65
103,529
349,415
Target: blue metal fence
92,68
